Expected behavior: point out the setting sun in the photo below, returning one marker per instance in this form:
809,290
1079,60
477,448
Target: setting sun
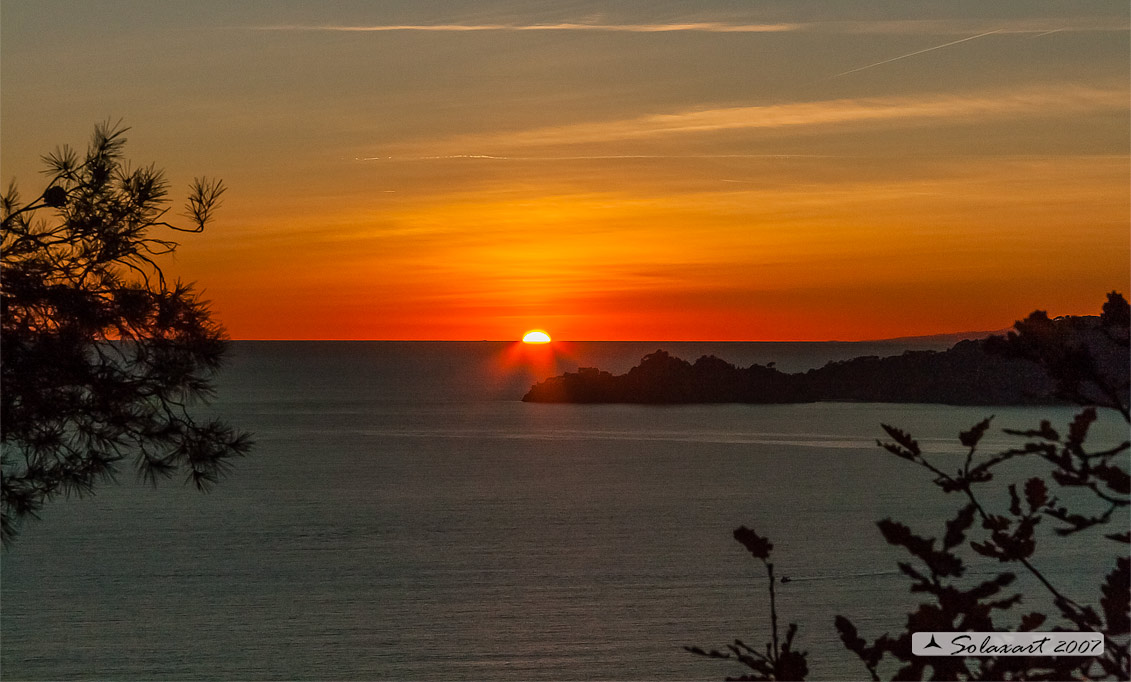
536,336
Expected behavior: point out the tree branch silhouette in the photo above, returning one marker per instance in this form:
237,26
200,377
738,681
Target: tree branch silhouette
1074,352
100,355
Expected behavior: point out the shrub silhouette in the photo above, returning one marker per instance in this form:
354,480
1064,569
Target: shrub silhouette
779,661
100,356
1074,353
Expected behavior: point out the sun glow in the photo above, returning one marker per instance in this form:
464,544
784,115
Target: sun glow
536,336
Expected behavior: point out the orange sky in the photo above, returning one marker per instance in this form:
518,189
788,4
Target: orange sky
722,173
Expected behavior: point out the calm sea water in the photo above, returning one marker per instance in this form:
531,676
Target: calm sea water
405,516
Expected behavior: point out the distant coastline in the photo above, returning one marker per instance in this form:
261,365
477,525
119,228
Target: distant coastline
964,374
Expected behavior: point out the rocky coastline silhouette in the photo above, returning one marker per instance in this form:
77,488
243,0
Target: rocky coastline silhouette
971,372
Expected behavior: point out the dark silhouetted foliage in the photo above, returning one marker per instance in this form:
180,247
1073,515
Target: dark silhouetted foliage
779,661
1085,356
100,355
1087,360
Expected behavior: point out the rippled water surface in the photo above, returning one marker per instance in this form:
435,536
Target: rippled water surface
404,516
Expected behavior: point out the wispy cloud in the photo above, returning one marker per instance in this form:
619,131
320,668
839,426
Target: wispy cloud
1036,26
702,27
1060,100
587,157
1025,25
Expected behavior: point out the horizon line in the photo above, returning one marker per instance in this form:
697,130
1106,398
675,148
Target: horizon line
972,334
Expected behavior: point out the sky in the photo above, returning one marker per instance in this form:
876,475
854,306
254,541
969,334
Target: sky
718,170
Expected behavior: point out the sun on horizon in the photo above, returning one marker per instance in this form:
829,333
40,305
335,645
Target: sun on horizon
536,336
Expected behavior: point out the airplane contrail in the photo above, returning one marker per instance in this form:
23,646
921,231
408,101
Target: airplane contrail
912,54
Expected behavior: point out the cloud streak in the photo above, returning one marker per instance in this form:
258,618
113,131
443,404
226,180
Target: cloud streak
1039,26
889,27
1064,100
698,27
588,157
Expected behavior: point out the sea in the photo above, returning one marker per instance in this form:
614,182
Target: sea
405,516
